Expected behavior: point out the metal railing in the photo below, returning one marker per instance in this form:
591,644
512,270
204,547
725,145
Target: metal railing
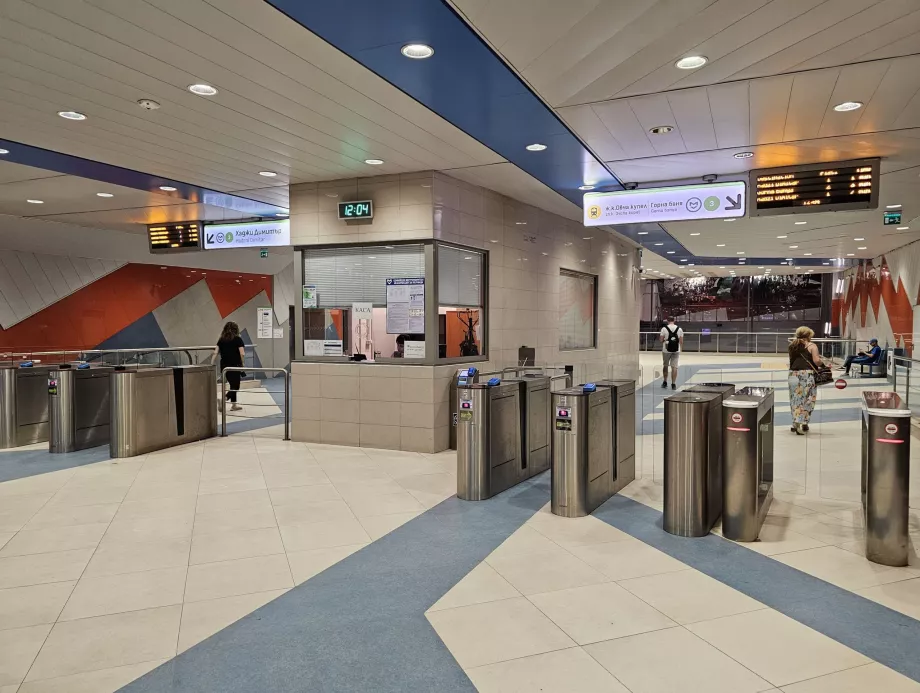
115,357
286,409
746,343
899,373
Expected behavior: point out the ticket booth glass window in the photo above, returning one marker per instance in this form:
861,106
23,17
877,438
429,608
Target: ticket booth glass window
461,314
577,310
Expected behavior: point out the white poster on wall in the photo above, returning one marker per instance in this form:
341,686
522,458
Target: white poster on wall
406,305
264,323
414,350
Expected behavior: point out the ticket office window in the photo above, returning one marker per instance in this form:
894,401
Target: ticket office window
577,311
461,302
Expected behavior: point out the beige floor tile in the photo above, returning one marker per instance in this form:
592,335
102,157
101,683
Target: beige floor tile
306,564
777,648
673,661
416,467
901,596
234,500
313,512
16,511
483,634
88,495
599,612
104,642
5,537
252,482
524,540
149,529
242,576
575,531
356,474
871,678
64,516
33,605
114,594
154,490
181,505
844,568
777,539
563,671
101,681
228,546
482,584
54,539
358,491
545,571
430,500
18,648
381,525
41,568
307,475
258,517
688,596
303,494
621,560
430,483
117,555
201,620
323,535
47,484
384,504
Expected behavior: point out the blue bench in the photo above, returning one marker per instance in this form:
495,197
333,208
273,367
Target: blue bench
877,368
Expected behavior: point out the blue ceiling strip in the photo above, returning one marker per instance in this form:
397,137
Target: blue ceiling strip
85,168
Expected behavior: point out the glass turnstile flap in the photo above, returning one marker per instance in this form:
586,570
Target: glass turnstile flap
884,404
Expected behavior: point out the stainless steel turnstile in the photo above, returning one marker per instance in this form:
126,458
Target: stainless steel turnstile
886,477
747,462
692,479
536,439
624,431
582,472
23,405
161,407
79,407
488,439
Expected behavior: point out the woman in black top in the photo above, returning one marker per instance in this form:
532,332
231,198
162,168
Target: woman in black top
231,349
804,360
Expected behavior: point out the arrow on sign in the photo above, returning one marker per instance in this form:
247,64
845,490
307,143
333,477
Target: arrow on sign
210,238
733,204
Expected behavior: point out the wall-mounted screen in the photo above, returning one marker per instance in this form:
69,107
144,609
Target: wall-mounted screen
833,187
172,238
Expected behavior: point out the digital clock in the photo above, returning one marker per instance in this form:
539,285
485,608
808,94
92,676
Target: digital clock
833,187
356,210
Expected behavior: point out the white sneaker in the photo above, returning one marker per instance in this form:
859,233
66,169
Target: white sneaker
236,407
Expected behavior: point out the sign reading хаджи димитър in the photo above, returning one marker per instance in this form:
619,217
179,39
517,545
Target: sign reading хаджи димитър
675,203
247,235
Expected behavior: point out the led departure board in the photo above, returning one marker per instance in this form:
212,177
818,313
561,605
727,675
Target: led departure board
834,187
171,238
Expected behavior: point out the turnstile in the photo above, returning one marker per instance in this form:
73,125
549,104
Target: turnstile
536,440
582,472
692,476
624,431
79,409
747,462
886,477
157,408
23,405
488,438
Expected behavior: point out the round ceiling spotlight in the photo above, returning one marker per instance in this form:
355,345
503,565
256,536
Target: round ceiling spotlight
848,106
691,62
268,174
202,89
373,162
167,188
743,155
36,202
104,195
417,51
535,147
661,129
71,115
586,187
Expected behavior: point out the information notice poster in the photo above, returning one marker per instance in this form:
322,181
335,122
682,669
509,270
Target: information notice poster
309,296
264,324
406,306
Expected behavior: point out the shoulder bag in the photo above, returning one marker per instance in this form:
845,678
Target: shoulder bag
823,374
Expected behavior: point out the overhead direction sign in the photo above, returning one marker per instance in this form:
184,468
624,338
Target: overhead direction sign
675,203
246,235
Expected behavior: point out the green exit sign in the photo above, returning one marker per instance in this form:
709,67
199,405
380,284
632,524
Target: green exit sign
356,210
263,252
892,218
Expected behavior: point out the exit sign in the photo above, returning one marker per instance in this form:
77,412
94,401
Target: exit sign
263,252
892,218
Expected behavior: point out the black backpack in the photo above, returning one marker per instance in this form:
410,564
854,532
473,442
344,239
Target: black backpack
672,343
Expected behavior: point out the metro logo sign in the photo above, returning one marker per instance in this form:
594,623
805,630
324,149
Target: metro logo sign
676,203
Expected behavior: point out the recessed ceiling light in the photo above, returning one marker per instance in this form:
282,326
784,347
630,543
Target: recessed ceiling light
282,214
670,252
850,254
520,223
848,106
782,263
643,233
793,247
417,51
659,244
332,194
586,187
761,267
695,234
684,260
782,236
587,238
661,129
729,220
167,188
892,206
373,162
535,147
743,155
903,228
202,89
862,247
268,174
492,240
691,265
859,239
104,195
807,253
36,202
740,252
799,223
825,264
4,151
720,245
691,62
71,115
722,267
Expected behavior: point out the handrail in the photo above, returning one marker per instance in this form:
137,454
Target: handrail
740,342
223,396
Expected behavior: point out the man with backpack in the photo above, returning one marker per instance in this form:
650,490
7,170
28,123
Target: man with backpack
672,339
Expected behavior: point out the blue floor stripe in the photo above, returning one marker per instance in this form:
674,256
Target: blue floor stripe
18,464
360,625
876,631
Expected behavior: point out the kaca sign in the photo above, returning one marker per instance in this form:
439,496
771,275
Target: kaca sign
247,235
677,203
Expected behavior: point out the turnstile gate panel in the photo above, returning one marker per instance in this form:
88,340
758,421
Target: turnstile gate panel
535,391
80,410
23,405
624,431
714,474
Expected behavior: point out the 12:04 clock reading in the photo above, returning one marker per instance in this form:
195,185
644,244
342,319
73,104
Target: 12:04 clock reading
356,210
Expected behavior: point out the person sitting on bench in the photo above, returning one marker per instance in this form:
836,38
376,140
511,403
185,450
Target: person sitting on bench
871,357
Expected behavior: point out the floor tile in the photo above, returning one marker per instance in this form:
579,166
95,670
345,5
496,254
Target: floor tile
545,571
228,546
5,537
524,540
306,564
148,529
257,517
673,661
53,539
776,647
286,477
313,512
323,534
104,642
117,555
497,631
303,494
201,620
380,525
227,485
33,605
901,596
40,568
18,648
101,681
153,490
688,596
384,504
845,569
777,539
431,483
113,594
16,511
482,584
575,531
870,678
64,516
88,495
562,671
599,612
621,560
234,500
242,576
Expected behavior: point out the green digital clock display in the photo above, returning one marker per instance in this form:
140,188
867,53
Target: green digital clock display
356,210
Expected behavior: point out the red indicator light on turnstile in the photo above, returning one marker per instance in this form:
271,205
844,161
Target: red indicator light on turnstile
888,440
735,428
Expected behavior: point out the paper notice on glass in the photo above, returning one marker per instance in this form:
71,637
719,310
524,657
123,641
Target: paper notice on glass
332,347
264,324
406,306
277,333
414,350
313,347
309,296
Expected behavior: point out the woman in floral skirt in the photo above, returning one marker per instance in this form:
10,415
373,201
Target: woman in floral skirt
804,360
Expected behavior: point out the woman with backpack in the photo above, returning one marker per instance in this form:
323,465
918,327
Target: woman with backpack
804,362
672,339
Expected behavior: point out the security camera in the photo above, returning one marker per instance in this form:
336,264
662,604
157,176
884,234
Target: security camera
710,177
630,186
148,104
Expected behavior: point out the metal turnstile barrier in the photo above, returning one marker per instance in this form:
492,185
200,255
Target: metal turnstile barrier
23,405
624,431
536,438
583,460
157,408
79,407
488,438
886,477
286,406
747,462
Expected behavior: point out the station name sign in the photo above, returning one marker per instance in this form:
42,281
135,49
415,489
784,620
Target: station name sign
804,189
257,234
676,203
